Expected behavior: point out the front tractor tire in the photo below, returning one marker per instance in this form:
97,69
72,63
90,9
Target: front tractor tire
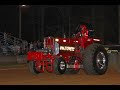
32,67
95,59
59,65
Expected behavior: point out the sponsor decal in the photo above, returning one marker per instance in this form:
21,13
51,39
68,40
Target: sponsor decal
67,48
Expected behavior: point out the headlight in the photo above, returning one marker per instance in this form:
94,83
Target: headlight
56,40
96,40
64,40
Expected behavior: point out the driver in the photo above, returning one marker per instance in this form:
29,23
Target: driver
83,33
84,30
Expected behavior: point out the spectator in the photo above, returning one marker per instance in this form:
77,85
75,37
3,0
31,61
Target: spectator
26,45
42,45
0,43
38,44
8,37
35,45
31,46
5,38
0,47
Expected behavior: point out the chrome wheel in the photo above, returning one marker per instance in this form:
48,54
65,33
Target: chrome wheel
62,65
101,59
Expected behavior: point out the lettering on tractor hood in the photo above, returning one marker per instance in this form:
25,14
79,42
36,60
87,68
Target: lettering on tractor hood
67,48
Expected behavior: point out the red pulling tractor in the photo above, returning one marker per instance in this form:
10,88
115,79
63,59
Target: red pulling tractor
68,55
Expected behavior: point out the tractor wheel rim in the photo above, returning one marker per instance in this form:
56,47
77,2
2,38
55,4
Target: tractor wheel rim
62,65
101,60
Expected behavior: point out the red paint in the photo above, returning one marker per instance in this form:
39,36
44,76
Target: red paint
49,42
76,65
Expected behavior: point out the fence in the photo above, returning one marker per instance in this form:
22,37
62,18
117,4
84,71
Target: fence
11,45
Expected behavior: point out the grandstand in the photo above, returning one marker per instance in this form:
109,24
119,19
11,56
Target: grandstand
12,46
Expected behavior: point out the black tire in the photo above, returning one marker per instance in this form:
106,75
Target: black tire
32,68
118,62
90,64
56,65
114,61
72,70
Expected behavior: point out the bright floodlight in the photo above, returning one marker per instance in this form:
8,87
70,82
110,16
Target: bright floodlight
23,5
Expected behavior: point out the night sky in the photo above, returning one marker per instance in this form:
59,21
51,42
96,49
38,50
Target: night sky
56,20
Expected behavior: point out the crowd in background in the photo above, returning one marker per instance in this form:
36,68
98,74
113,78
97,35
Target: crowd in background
19,46
27,46
35,45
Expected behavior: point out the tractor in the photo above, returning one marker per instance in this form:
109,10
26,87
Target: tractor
69,55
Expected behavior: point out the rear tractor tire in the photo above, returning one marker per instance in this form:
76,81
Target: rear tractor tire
95,59
118,62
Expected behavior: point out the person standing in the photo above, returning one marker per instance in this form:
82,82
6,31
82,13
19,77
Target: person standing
31,45
5,38
35,45
38,44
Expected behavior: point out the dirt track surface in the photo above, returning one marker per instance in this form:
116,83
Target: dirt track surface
20,75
